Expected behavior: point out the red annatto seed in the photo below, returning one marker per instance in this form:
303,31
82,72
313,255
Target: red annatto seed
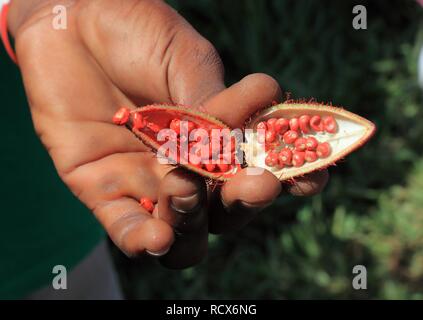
215,146
316,123
227,158
223,167
197,165
183,156
262,126
261,137
194,158
204,152
312,143
153,127
270,136
298,158
329,124
271,124
281,126
138,121
191,126
304,121
147,204
175,125
290,136
279,165
233,144
183,139
285,156
272,159
301,144
294,124
210,167
310,156
323,150
225,142
121,117
214,150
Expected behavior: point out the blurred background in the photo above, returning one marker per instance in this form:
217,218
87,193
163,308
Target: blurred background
371,213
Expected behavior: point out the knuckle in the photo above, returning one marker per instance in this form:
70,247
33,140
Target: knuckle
206,55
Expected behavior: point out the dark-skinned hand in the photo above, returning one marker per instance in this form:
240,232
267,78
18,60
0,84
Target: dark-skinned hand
130,53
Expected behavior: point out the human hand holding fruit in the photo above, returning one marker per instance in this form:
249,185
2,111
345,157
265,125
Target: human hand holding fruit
132,53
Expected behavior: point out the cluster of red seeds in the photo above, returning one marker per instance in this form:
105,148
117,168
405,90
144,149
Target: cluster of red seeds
208,151
217,158
295,133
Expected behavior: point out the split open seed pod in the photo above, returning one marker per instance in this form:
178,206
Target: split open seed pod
350,132
289,139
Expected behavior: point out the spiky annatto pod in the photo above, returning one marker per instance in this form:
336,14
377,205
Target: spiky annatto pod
304,136
337,132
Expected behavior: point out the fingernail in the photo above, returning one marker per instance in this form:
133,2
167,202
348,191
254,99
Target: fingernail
185,204
258,206
157,254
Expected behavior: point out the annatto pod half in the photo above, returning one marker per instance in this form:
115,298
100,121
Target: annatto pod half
324,135
151,124
290,139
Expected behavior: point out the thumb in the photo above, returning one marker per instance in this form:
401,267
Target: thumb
161,57
195,70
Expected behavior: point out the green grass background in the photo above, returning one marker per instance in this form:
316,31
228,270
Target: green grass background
371,213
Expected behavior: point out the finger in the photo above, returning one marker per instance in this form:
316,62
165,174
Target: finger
249,95
80,137
164,59
182,204
243,197
111,187
308,185
89,98
133,229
